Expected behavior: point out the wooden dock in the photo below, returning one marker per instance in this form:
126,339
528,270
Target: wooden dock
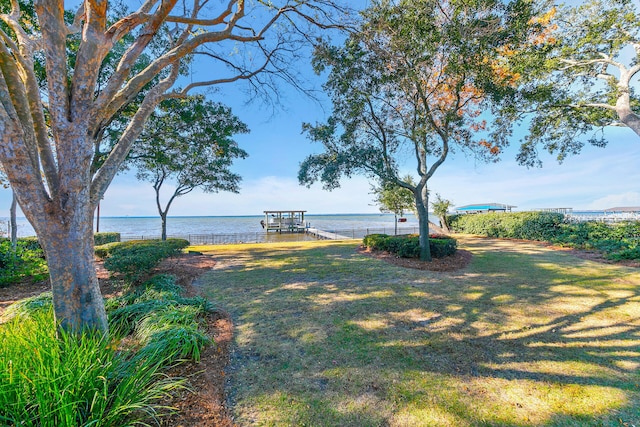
326,235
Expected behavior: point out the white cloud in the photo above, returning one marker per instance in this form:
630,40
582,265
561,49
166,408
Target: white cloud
630,198
266,193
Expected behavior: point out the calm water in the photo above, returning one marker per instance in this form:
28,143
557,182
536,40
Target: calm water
149,227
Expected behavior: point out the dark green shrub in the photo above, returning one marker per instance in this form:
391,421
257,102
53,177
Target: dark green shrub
541,226
616,241
376,242
104,238
632,252
134,260
441,248
408,246
26,263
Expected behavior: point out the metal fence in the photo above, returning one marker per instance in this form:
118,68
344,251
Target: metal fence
608,218
262,237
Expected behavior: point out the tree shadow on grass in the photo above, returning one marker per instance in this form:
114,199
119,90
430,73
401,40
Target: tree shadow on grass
520,338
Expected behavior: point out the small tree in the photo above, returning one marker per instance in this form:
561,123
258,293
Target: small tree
395,199
441,209
188,141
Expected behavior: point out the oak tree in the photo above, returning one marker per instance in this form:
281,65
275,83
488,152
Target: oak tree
578,78
65,78
410,87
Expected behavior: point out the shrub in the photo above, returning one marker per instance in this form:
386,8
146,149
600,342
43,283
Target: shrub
377,242
104,238
408,246
519,225
27,262
616,241
104,250
134,260
441,248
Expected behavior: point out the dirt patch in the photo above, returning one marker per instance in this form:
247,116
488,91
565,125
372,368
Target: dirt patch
449,263
16,292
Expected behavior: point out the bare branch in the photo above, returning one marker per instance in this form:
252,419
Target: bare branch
23,58
126,64
572,63
105,174
53,28
220,19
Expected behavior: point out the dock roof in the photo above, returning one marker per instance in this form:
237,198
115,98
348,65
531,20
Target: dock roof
482,207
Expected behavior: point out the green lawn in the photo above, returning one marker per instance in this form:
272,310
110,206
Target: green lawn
524,336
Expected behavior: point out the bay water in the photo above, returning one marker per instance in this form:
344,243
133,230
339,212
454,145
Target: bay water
182,226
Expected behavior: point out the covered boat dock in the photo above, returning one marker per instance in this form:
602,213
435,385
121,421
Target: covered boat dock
284,221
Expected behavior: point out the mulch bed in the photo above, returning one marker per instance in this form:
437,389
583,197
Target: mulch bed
454,262
204,403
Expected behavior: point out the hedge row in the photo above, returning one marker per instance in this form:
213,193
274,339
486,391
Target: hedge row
520,225
104,238
134,259
616,241
408,245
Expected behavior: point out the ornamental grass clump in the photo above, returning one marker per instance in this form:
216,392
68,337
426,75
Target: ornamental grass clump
161,319
50,378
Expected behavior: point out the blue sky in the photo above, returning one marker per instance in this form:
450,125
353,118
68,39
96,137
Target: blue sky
599,178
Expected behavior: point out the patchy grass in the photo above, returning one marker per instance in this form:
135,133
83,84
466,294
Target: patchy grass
524,336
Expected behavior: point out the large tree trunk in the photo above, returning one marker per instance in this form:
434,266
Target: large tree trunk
68,247
422,202
63,221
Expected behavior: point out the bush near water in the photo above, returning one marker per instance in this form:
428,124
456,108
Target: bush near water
616,241
133,259
103,381
408,245
25,263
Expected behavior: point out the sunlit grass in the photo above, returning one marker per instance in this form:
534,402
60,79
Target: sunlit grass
524,336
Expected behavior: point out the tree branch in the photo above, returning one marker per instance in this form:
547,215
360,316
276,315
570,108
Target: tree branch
53,28
37,127
105,174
